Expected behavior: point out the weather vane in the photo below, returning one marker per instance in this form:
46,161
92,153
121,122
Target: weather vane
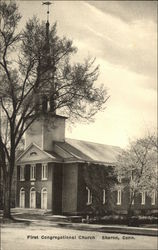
47,3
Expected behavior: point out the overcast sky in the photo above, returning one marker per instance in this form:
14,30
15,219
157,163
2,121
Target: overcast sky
122,35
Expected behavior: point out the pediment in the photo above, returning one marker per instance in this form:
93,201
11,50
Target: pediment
34,154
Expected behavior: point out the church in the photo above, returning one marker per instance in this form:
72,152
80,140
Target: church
49,170
50,176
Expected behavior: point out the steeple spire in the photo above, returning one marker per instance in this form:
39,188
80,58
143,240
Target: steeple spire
48,100
47,23
47,3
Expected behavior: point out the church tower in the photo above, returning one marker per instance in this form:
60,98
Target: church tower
47,67
49,126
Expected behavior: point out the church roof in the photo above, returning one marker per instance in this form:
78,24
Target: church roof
87,151
33,153
71,150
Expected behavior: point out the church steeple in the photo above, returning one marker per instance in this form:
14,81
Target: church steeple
47,45
48,102
49,126
47,33
47,3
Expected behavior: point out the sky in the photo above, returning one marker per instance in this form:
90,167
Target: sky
122,35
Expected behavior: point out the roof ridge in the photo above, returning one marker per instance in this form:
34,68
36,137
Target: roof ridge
93,142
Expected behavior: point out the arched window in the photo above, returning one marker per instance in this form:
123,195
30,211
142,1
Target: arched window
44,198
22,197
32,198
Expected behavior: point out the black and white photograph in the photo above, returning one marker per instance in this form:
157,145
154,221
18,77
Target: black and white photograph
78,125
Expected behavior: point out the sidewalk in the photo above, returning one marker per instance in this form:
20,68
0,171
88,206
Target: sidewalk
38,218
122,229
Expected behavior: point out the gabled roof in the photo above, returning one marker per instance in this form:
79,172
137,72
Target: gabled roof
33,153
71,150
87,151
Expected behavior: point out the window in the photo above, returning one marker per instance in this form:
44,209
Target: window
153,197
33,153
22,168
89,198
44,171
22,198
119,197
104,197
32,172
143,198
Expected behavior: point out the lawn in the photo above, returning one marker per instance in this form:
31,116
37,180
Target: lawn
45,236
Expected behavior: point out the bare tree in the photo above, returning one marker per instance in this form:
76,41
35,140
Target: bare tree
35,66
154,140
137,168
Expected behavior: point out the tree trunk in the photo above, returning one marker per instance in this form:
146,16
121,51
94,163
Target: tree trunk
7,197
129,213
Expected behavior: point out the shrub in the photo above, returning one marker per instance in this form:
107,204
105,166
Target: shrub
122,220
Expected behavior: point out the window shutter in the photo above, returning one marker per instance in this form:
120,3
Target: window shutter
18,173
27,172
47,171
35,171
38,172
